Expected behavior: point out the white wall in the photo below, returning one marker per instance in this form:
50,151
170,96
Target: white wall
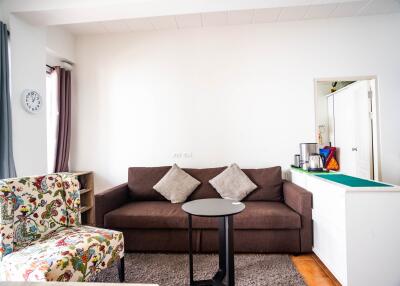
3,12
30,50
2,15
28,71
321,110
60,44
240,94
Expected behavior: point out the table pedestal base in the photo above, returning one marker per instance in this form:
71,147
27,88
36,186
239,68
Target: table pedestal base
226,269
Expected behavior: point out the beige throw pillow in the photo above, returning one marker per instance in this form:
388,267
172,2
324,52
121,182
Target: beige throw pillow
176,185
233,183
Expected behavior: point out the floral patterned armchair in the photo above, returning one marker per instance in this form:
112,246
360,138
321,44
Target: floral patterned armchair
41,238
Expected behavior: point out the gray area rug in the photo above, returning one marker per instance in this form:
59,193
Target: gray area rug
173,269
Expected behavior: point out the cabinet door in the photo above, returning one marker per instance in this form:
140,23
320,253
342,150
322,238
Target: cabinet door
329,221
353,129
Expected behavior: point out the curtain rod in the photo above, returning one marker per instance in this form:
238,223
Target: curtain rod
50,69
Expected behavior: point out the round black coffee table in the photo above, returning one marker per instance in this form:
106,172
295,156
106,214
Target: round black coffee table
224,210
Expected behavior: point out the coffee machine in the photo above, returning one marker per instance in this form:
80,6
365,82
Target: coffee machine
306,149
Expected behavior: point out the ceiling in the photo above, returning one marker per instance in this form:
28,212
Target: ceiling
82,17
239,17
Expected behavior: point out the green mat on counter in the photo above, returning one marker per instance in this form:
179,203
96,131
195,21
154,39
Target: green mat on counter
309,172
351,181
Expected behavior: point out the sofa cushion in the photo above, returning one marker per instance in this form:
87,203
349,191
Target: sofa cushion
205,190
233,184
70,254
164,215
257,215
269,182
147,214
177,185
141,181
268,215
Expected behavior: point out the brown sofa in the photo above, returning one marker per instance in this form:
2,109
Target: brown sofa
277,218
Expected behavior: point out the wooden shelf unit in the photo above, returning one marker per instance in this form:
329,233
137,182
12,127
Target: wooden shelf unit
84,191
87,197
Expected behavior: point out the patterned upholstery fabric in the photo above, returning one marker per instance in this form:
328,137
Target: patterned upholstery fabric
39,207
70,254
6,220
72,199
41,237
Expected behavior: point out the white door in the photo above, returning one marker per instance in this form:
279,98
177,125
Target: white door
353,129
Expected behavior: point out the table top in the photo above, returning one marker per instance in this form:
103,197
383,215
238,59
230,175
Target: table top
213,207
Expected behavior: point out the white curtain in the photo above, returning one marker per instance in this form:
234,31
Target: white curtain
52,119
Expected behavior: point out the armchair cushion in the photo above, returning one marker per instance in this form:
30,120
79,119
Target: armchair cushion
70,254
39,207
33,207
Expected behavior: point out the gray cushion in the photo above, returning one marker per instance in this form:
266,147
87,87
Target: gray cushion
176,185
233,183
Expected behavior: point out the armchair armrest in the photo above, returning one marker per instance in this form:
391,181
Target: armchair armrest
297,198
110,200
300,200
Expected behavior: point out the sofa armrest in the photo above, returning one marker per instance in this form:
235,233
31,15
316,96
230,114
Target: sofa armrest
300,200
110,200
297,198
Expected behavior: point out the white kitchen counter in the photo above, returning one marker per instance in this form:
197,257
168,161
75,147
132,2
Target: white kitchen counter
356,230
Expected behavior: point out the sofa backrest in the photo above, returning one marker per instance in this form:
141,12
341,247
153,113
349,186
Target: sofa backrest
33,207
142,179
205,190
269,183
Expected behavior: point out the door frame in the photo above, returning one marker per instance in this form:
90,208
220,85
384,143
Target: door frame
376,141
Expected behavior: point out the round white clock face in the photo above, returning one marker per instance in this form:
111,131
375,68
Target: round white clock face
32,100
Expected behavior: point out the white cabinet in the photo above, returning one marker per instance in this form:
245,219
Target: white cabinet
356,230
350,128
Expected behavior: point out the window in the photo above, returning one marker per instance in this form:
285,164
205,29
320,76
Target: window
52,118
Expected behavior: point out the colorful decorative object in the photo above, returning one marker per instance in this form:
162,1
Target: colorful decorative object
41,238
328,154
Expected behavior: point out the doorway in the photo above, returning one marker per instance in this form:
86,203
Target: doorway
346,118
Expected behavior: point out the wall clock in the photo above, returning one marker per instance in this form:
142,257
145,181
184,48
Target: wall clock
32,101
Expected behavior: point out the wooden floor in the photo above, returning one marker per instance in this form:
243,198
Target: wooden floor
314,271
